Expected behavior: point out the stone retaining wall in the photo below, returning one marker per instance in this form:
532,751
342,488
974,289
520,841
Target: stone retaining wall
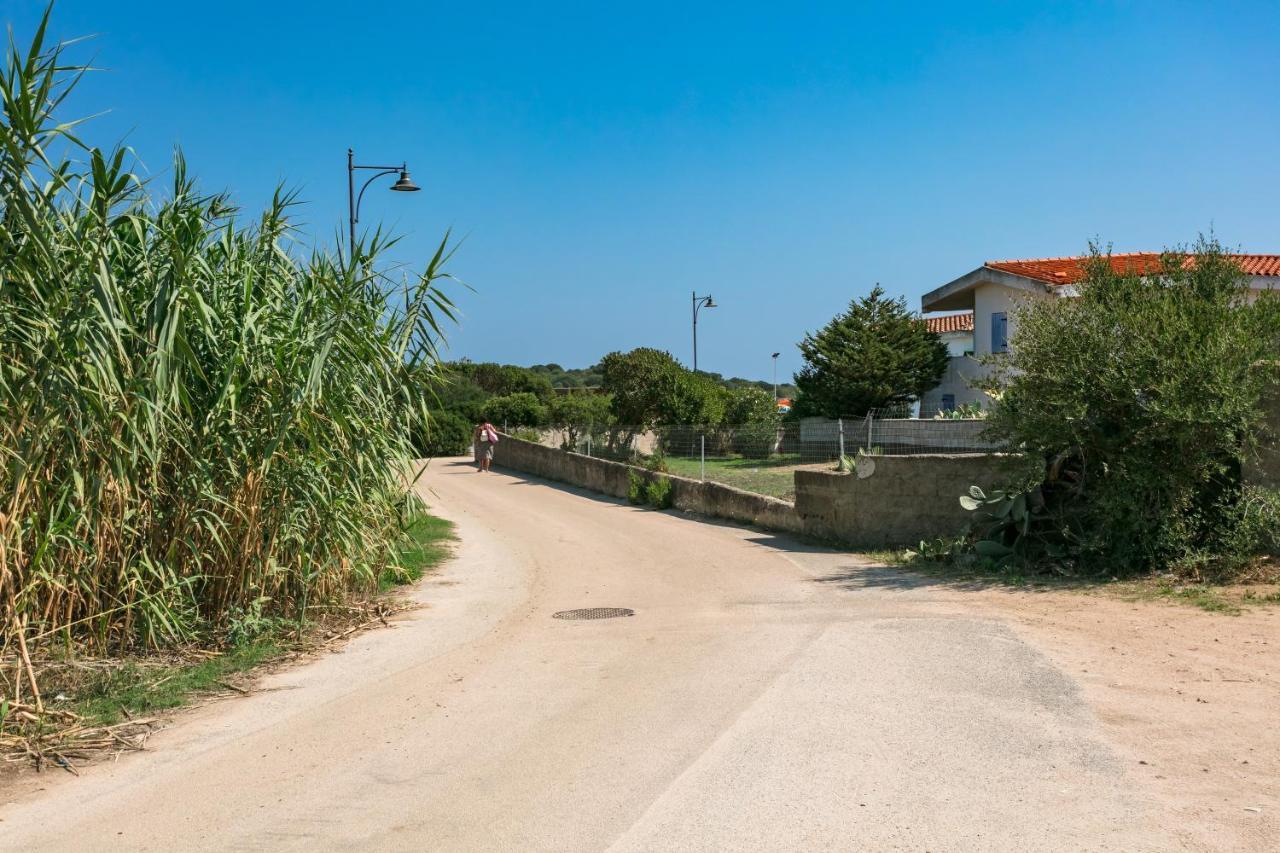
614,478
899,500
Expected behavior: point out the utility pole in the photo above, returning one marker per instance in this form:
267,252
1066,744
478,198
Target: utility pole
775,378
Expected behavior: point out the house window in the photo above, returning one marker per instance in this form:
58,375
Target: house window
999,332
948,402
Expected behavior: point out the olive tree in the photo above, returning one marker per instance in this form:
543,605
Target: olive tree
1142,396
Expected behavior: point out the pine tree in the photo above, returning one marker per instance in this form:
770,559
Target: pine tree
875,355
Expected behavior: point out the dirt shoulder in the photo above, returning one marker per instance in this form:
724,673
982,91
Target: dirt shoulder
1191,698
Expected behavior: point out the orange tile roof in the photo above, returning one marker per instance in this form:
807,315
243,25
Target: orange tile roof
1071,270
950,323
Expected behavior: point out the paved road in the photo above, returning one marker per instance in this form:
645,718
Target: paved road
765,696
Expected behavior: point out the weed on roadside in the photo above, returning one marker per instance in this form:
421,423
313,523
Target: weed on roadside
84,696
426,545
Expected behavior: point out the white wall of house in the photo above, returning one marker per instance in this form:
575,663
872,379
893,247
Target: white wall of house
956,387
991,299
958,343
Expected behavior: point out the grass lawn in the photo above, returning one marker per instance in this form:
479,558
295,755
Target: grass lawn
772,476
142,686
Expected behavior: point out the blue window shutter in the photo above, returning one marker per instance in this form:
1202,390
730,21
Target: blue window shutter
999,332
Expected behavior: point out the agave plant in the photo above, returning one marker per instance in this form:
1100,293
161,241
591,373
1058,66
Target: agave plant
195,414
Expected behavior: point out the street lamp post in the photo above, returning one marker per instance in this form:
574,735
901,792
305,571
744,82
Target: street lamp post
775,377
404,185
699,302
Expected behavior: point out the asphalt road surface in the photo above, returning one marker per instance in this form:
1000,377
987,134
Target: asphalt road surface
766,695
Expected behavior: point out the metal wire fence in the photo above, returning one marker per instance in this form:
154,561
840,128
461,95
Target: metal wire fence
762,457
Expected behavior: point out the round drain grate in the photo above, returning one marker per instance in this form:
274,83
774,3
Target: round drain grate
594,613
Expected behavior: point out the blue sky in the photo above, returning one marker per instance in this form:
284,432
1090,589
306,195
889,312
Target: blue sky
602,163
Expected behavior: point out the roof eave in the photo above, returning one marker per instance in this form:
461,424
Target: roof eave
957,295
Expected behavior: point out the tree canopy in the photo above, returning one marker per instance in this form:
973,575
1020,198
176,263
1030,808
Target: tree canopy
875,355
1144,395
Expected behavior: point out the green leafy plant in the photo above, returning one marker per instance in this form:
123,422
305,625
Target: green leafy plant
445,434
251,622
1009,524
521,409
637,491
658,493
963,412
939,550
655,461
196,413
876,355
1142,395
580,414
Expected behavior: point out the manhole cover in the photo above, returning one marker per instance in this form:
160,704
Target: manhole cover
594,613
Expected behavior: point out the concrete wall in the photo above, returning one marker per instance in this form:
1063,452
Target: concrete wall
820,437
958,343
901,499
958,380
992,298
613,478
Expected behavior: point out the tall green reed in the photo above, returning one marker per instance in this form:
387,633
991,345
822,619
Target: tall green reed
194,413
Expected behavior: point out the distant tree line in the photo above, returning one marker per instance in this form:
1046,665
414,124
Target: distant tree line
638,389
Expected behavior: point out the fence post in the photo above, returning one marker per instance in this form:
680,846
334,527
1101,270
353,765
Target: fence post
840,424
702,440
588,443
869,422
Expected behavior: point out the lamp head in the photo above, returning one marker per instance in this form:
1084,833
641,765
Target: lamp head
405,184
710,303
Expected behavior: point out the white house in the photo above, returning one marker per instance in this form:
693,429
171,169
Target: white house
956,331
989,296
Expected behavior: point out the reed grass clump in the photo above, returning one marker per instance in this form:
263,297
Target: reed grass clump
196,416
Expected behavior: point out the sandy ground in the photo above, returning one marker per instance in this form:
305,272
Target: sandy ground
766,696
1191,698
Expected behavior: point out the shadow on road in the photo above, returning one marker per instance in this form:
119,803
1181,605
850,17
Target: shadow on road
834,566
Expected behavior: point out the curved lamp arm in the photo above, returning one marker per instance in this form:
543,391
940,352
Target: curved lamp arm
355,215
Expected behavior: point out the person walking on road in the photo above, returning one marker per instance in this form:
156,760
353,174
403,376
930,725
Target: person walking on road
484,438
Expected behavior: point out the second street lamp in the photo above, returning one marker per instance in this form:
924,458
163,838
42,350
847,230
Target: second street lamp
698,303
405,184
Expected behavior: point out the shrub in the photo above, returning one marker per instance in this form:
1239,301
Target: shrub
580,414
1253,526
513,410
752,416
1142,396
637,493
446,434
659,493
655,461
